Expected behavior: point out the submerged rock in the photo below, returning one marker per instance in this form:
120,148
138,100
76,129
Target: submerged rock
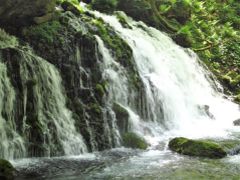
236,122
196,148
132,140
6,170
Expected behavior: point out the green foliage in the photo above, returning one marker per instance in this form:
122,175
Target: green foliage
213,31
6,40
44,33
132,140
100,90
196,148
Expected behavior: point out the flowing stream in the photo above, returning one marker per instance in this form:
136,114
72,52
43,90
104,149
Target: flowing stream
181,99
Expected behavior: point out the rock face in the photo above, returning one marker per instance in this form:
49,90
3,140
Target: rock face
22,12
122,117
68,45
196,148
6,170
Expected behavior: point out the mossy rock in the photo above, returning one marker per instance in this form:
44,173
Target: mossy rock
99,90
7,41
132,140
237,98
196,148
6,170
43,33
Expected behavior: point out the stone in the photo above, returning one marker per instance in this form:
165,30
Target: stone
205,109
6,170
236,122
198,148
132,140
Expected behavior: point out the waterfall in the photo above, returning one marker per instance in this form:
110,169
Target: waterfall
47,126
178,96
12,144
179,91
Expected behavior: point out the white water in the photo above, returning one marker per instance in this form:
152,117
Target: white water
175,81
116,77
12,144
46,101
51,105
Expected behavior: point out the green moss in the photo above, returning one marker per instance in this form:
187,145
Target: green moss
6,170
100,90
237,98
132,140
7,40
196,148
44,33
122,117
95,108
122,19
120,50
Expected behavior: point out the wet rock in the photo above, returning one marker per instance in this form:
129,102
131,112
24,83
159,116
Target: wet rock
205,109
236,122
68,6
196,148
122,117
6,170
134,141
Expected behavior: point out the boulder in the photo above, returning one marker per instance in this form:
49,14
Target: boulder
22,12
132,140
236,122
6,170
206,109
196,148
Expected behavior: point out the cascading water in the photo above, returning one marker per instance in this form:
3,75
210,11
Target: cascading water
179,94
178,99
46,120
51,107
12,144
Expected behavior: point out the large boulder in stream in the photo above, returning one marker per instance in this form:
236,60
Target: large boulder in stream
6,170
199,148
132,140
